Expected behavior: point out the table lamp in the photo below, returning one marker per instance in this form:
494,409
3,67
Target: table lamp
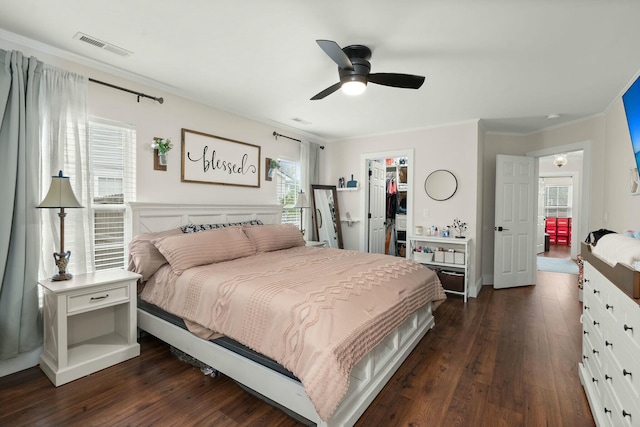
301,203
61,196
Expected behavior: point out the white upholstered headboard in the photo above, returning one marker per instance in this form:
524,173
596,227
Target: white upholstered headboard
153,217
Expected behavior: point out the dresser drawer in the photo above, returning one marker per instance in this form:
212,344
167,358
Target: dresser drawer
108,296
595,354
611,409
627,365
629,326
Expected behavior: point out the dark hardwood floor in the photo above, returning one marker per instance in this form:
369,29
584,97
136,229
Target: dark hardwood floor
508,358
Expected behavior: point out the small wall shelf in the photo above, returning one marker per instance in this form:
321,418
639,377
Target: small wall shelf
349,221
349,188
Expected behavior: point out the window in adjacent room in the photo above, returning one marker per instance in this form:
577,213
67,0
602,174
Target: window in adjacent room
288,187
112,158
557,200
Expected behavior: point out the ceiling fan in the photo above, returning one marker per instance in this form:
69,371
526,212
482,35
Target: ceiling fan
353,68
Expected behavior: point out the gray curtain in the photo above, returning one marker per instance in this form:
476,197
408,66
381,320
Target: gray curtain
310,168
20,326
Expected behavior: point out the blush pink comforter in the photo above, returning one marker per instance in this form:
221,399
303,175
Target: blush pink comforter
315,311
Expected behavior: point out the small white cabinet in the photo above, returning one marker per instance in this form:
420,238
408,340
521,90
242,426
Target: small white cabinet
89,324
455,257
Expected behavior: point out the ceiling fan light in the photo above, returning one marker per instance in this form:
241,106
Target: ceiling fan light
354,87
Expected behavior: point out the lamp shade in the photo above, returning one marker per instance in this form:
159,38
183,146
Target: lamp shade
60,194
301,202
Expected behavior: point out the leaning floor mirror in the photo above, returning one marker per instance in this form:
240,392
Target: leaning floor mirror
326,215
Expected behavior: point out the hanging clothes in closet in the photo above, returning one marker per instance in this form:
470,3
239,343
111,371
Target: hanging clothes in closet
392,197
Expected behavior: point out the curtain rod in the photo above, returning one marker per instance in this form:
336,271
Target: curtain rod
276,135
139,94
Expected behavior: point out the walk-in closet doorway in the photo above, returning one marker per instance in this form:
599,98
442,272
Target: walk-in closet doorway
374,204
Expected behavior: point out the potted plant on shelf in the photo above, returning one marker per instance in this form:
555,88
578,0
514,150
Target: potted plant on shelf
273,166
163,145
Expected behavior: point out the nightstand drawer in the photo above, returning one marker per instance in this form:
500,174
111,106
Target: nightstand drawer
91,300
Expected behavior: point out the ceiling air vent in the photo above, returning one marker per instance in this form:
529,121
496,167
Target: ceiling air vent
102,45
301,121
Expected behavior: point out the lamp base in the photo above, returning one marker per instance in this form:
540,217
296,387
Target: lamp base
62,259
61,276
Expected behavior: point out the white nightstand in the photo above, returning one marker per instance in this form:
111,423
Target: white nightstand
89,324
315,244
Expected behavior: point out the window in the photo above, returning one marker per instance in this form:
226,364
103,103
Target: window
288,183
112,158
557,201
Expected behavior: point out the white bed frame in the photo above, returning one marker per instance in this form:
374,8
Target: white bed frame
368,377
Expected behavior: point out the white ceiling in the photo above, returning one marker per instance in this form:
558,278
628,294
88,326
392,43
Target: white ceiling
510,63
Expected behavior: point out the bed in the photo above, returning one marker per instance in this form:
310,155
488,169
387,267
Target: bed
338,386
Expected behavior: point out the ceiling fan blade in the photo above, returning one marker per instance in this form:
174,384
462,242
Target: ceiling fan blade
334,51
407,81
327,91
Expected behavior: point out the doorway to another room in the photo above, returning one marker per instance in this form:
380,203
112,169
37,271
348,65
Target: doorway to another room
558,212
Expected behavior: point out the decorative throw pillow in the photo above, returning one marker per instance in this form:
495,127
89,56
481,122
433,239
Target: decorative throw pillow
144,257
196,228
184,251
273,237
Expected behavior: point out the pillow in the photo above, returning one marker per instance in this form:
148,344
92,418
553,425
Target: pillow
273,237
196,228
188,250
144,257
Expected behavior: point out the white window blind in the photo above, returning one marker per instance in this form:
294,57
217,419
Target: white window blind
112,156
558,201
288,184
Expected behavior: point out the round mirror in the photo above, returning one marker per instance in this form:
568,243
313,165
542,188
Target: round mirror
441,185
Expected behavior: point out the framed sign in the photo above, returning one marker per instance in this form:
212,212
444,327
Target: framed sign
210,159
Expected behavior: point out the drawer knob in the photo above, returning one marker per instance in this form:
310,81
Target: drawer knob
585,357
626,414
607,377
94,299
586,280
607,410
625,373
628,328
585,332
594,380
595,351
586,307
595,291
608,344
596,323
609,307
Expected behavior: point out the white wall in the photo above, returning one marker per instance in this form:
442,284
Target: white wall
166,120
609,203
454,147
621,211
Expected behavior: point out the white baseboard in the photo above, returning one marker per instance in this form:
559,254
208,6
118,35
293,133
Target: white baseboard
475,289
20,363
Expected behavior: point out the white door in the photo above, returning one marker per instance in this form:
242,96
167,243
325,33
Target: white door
540,226
377,203
514,233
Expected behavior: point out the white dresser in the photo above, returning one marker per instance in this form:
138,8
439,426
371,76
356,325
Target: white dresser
610,366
